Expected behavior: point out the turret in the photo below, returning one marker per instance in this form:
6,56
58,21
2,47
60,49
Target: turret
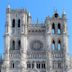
64,15
48,25
24,22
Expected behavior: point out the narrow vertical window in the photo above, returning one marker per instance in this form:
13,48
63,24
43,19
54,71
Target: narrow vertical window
53,45
59,28
32,65
19,44
18,22
13,45
13,23
59,45
59,65
53,65
43,66
28,65
13,65
38,65
53,28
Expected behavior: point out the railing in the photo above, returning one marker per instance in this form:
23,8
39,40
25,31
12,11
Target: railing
38,25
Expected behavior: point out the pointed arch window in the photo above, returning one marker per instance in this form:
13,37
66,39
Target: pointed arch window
43,65
53,28
38,65
32,65
53,45
59,45
18,22
13,65
59,28
59,65
13,23
13,45
28,65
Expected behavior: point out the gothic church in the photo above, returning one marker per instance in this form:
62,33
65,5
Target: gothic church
35,47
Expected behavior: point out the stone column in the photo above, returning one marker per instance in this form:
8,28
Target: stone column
6,63
24,42
49,49
65,45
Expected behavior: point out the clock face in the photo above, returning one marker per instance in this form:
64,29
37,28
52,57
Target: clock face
37,45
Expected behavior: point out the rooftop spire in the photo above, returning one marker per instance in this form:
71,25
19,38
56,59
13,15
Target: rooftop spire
37,21
29,14
55,10
63,12
8,6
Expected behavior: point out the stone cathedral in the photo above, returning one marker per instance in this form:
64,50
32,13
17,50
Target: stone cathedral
35,47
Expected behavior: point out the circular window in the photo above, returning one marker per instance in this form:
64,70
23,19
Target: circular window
36,45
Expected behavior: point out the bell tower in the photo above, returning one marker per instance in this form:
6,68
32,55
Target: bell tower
59,40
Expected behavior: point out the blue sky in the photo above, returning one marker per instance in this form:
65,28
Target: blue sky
38,9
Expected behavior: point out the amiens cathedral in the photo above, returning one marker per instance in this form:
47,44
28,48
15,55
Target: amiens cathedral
35,47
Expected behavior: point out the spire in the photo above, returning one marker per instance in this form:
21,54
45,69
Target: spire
55,11
8,6
63,14
29,18
37,21
29,14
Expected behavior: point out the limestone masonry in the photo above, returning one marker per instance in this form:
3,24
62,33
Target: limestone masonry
39,47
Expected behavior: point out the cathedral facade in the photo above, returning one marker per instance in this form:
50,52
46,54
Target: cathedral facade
38,47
